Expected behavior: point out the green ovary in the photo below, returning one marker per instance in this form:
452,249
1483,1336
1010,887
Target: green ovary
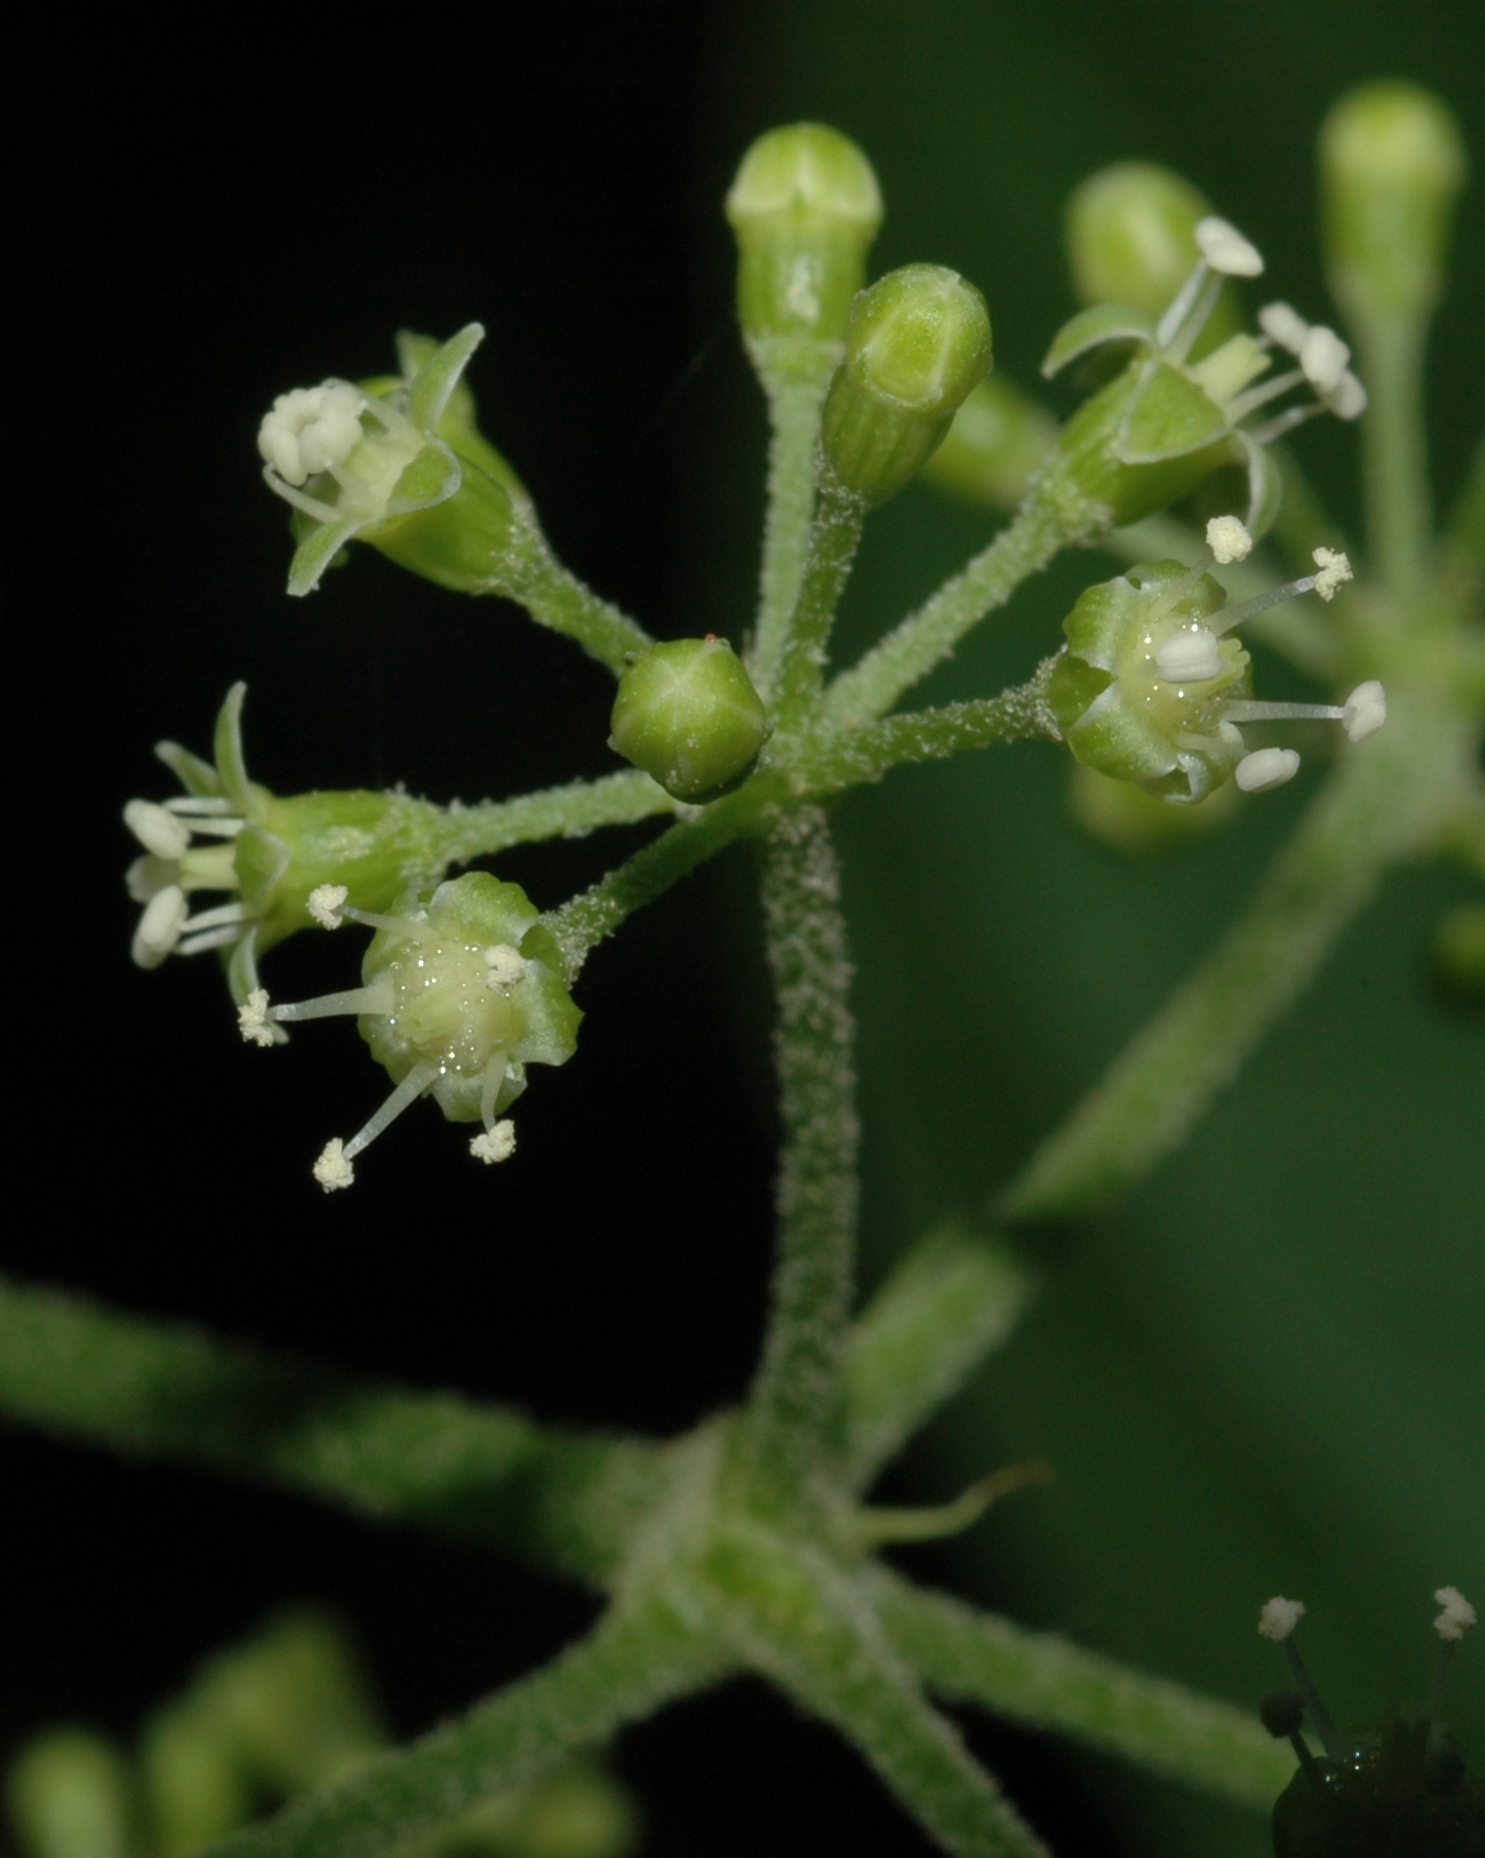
445,1010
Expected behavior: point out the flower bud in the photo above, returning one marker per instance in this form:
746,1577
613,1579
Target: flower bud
69,1797
687,713
1391,163
918,341
805,209
994,445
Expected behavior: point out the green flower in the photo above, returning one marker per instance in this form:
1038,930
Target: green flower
1165,421
461,990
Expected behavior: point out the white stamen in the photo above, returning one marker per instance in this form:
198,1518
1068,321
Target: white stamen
1323,356
1335,571
252,1018
333,1170
1365,711
1225,249
324,902
378,998
1284,326
149,875
505,966
1180,306
1229,540
156,830
1189,657
1242,711
206,804
218,828
498,1145
1457,1617
1347,399
408,1091
214,919
209,939
1279,1618
1266,768
311,429
160,926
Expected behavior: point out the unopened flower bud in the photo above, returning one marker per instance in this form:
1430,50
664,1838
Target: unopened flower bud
1131,237
687,713
70,1796
1391,164
805,209
994,445
919,340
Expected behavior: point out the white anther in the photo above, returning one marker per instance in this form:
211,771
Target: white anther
1457,1617
1229,540
1365,711
1266,768
149,875
1323,356
252,1019
1279,1618
1335,571
1225,249
498,1145
1347,399
160,926
1284,326
332,1170
156,830
311,429
324,904
1189,657
504,965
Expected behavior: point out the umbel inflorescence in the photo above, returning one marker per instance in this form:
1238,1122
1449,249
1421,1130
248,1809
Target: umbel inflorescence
747,1544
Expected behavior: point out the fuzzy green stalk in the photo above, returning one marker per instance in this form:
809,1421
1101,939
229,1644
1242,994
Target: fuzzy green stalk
794,404
834,538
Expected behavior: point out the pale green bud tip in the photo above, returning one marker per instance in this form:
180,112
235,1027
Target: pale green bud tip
1393,135
805,171
69,1796
687,713
920,338
1131,235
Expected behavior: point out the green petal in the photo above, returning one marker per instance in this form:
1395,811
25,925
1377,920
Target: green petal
1265,488
227,750
433,477
1168,416
316,552
429,390
1091,328
198,777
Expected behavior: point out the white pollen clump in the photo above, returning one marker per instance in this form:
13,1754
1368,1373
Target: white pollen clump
1229,540
498,1145
1264,769
1457,1617
1323,356
324,902
1225,249
157,830
1279,1618
311,429
1335,571
160,926
252,1018
1366,710
1283,325
1189,657
332,1170
504,965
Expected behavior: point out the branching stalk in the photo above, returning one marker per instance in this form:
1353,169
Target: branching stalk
834,538
794,401
555,597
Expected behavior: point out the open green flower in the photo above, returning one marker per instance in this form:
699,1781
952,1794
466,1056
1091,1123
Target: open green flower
461,989
1165,421
268,855
397,462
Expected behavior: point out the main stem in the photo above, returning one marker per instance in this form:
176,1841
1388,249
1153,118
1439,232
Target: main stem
795,1397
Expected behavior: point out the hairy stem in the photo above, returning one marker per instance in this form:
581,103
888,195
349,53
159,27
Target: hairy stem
835,536
567,812
630,1666
555,597
1395,468
1045,523
1387,800
955,1297
808,1627
1041,1680
795,1396
564,1500
794,401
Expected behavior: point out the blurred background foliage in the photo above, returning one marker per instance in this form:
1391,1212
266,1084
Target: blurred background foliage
1261,1374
